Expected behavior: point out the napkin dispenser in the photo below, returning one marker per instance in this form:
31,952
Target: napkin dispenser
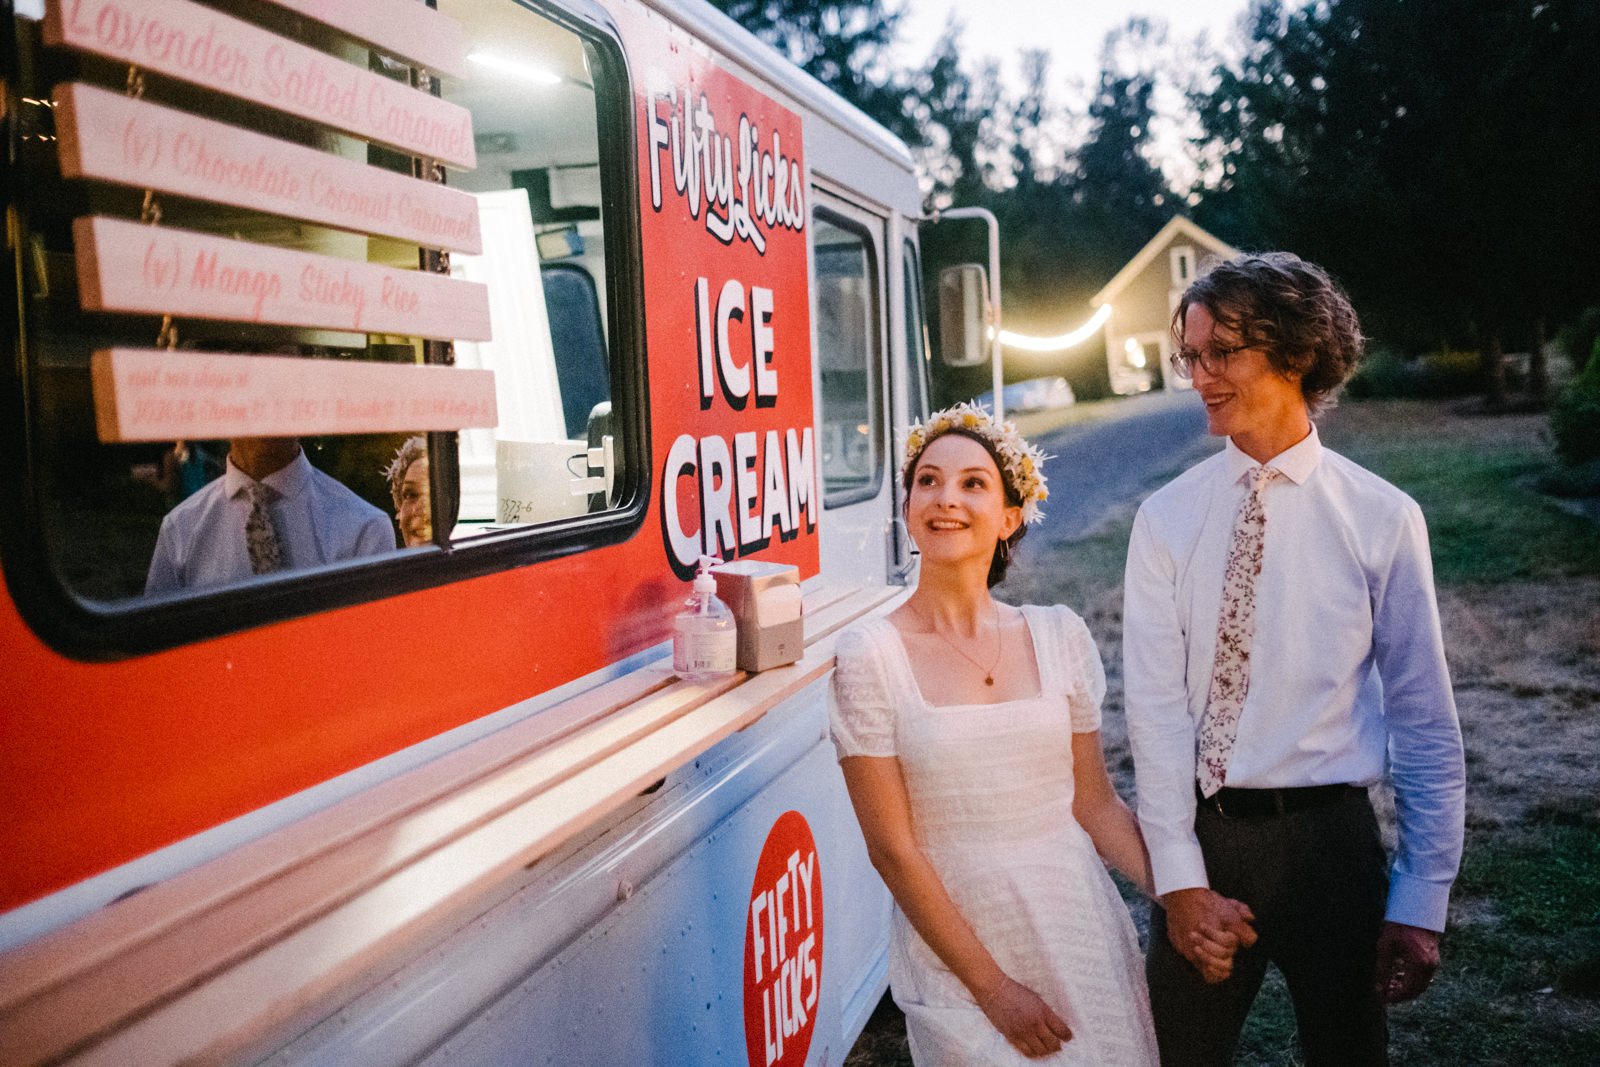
765,600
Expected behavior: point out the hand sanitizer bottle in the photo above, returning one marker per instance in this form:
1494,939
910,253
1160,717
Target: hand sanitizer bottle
704,639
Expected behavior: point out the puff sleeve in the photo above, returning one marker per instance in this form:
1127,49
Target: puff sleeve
860,716
1086,674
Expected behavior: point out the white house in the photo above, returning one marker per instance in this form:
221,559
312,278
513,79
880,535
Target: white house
1143,296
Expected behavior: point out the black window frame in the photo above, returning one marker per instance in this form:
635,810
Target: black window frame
103,631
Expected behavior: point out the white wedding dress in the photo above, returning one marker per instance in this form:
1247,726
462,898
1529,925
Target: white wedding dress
991,805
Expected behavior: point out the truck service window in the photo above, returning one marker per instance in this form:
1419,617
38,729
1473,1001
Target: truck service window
268,337
556,451
847,346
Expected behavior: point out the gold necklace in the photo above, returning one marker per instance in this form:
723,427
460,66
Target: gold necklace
999,646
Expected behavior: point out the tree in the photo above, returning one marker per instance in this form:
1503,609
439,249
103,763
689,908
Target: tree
1068,221
1119,195
956,112
1034,156
1069,230
1068,226
947,114
1435,155
844,44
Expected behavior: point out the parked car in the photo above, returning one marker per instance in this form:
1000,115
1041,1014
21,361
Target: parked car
1035,394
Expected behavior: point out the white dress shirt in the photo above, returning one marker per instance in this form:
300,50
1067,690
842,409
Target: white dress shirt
1347,665
318,521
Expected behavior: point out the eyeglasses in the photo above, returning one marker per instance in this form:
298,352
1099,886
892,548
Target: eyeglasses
1184,360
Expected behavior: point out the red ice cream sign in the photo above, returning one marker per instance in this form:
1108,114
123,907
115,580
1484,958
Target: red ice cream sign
783,947
724,213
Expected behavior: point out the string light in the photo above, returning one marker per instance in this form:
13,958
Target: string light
1060,342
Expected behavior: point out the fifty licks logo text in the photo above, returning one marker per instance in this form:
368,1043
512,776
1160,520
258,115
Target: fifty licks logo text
744,187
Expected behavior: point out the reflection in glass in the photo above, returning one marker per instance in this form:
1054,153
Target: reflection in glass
410,489
270,511
917,367
538,186
169,517
120,519
847,341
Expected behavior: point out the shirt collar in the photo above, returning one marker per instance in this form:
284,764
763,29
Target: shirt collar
1295,462
288,481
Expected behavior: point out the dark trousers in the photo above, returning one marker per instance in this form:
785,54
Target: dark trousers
1317,881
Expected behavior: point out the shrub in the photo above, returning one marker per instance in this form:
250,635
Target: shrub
1575,416
1388,373
1573,482
1379,375
1449,373
1579,337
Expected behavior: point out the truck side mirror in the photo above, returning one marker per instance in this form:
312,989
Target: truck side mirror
965,316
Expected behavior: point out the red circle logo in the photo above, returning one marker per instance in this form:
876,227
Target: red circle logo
783,947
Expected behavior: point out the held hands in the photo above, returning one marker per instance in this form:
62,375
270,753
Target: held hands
1024,1018
1408,956
1207,929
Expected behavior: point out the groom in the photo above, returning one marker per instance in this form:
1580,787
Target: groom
1281,651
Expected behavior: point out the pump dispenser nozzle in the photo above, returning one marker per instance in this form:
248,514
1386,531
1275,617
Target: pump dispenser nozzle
704,580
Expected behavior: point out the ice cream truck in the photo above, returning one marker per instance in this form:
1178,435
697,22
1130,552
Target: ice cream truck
379,373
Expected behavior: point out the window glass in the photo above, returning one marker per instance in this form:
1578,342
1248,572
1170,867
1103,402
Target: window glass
1182,266
847,345
555,452
917,369
122,521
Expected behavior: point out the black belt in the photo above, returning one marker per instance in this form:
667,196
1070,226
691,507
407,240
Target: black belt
1260,803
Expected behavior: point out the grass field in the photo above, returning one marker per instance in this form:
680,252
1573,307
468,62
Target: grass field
1519,592
1519,589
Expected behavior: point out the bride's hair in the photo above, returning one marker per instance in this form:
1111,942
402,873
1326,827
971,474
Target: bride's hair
1003,548
1021,464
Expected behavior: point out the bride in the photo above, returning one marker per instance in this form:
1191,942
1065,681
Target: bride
968,734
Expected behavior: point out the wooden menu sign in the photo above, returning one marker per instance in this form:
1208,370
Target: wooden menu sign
112,137
409,29
131,267
161,395
204,47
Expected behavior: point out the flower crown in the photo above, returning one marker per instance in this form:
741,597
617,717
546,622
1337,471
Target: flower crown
1021,463
411,450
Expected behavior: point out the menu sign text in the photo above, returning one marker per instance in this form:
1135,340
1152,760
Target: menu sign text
204,47
160,395
111,137
128,267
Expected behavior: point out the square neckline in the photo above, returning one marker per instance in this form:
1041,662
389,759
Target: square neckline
916,687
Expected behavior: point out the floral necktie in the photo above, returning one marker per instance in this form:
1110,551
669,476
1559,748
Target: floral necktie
1236,624
260,536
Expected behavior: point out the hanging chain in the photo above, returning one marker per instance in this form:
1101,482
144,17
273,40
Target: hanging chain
433,260
150,212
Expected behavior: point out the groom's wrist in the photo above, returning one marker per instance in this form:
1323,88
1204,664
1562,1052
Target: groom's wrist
1417,902
1175,899
1176,873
